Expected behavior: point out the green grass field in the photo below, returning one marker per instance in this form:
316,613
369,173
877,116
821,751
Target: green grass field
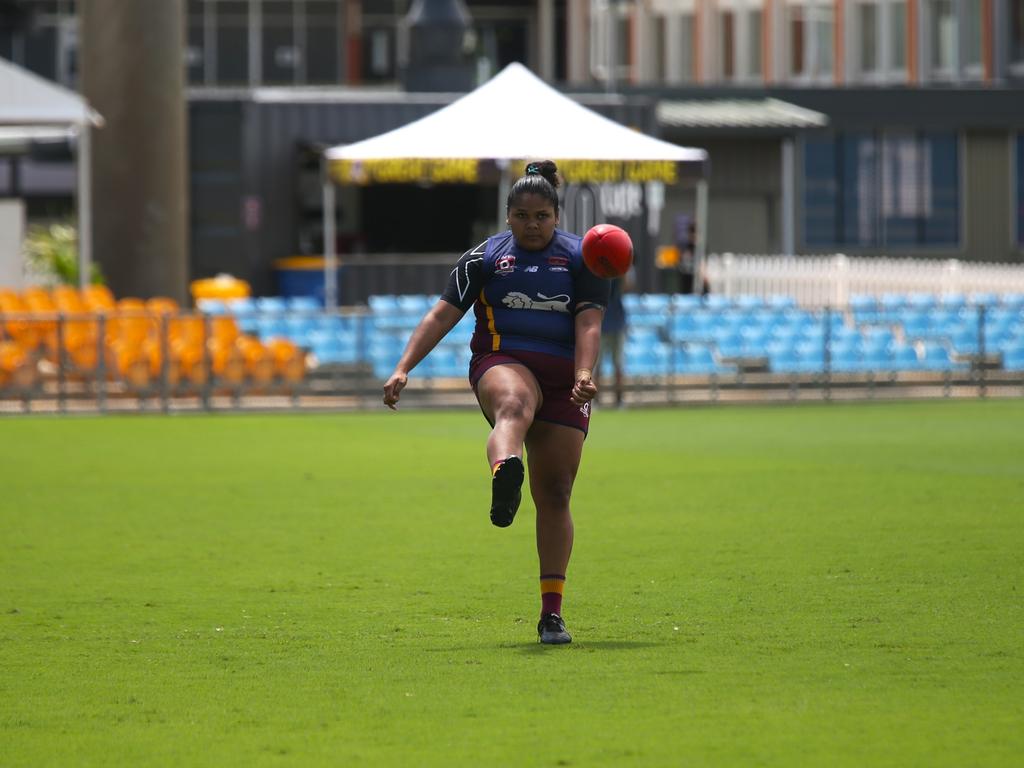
812,585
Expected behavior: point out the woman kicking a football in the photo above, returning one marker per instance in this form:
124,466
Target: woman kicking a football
538,331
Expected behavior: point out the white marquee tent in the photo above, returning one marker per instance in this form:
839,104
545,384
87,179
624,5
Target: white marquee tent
32,109
515,116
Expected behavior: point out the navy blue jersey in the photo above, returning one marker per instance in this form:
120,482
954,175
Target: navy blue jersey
525,300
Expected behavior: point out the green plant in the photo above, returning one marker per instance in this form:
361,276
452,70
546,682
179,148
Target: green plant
52,253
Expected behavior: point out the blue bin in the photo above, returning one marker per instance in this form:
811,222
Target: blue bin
302,276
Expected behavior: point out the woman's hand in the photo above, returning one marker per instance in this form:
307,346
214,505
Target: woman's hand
393,388
584,390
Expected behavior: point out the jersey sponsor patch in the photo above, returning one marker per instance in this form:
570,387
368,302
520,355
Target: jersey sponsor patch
505,265
517,300
558,261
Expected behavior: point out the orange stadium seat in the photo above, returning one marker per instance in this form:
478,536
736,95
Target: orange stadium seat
289,360
98,298
17,368
259,361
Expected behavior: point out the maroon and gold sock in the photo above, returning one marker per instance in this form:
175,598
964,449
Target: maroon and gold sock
551,587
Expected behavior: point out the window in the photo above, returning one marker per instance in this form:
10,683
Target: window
972,33
232,35
1020,189
323,42
867,32
868,189
797,40
739,40
727,44
942,37
809,27
1017,30
195,42
281,58
897,48
754,41
686,51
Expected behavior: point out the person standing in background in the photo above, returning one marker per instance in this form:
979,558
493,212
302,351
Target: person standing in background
613,334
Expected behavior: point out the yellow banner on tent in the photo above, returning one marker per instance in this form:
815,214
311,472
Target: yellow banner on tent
412,170
615,171
406,170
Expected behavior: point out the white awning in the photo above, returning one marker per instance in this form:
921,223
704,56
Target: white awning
738,113
27,99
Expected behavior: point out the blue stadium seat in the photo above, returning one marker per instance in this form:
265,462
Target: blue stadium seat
845,335
904,358
755,339
1013,357
965,341
864,308
698,359
682,326
942,320
298,327
332,347
212,306
878,337
921,300
986,298
684,302
304,304
781,301
783,357
845,357
915,323
935,357
271,327
1013,302
811,356
717,301
729,342
242,305
704,322
877,359
749,302
413,304
271,304
383,303
953,301
647,360
642,336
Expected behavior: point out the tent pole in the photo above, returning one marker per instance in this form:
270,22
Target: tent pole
503,188
84,204
330,244
788,197
700,246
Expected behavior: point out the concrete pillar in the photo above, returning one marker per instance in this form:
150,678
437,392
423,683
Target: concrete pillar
546,43
132,74
578,28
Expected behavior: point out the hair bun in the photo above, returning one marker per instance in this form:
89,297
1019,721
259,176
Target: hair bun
546,169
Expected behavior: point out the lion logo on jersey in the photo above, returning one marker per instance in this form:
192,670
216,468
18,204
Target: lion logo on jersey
517,300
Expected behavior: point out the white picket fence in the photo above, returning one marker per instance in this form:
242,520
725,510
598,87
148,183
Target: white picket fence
831,280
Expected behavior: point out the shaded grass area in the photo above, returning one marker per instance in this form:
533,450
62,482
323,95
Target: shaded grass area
751,586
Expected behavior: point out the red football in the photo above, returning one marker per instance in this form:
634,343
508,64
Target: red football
607,251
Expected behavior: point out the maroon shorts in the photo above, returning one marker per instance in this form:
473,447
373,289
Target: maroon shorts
556,377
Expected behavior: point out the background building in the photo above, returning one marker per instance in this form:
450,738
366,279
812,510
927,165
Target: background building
864,126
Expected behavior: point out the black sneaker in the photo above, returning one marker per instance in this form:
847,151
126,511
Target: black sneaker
551,630
506,491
